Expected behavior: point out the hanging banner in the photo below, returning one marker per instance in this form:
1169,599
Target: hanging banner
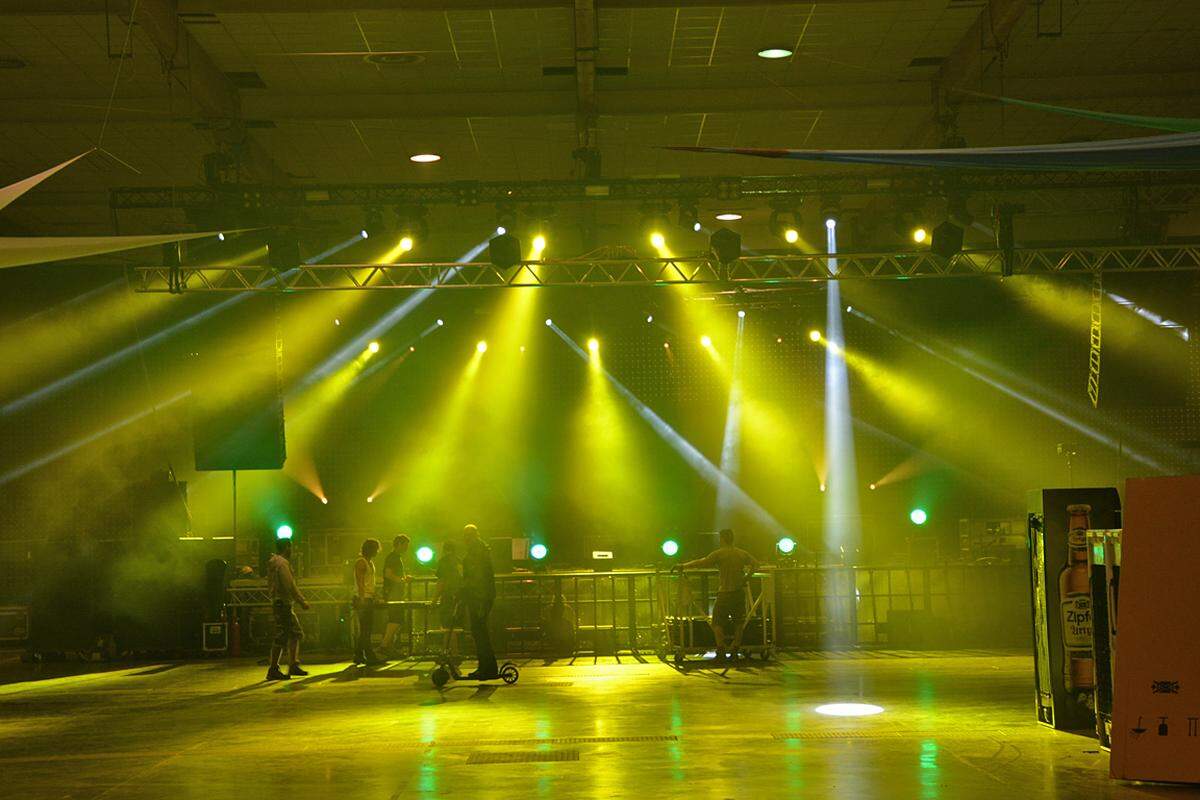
1177,151
17,251
13,191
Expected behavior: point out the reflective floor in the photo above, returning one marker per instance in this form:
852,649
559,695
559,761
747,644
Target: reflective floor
954,725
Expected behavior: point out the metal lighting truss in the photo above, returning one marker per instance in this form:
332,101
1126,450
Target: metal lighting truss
632,271
728,188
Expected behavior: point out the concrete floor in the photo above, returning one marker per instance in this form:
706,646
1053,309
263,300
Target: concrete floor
955,726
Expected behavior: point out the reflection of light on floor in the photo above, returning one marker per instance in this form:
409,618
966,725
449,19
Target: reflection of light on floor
848,709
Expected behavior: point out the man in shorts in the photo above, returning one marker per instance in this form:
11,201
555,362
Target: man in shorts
733,565
282,586
395,575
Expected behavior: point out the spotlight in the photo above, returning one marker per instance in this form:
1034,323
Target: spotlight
522,348
871,487
729,216
822,487
658,240
283,532
425,158
501,230
412,348
849,309
814,335
324,501
220,237
406,244
649,318
440,323
549,322
425,554
371,499
918,516
337,322
919,235
741,314
831,223
791,236
786,545
538,552
706,341
667,345
373,347
689,218
670,548
539,244
363,233
774,52
593,345
481,346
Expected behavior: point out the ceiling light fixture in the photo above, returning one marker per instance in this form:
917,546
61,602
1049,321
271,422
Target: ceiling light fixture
774,52
729,216
425,158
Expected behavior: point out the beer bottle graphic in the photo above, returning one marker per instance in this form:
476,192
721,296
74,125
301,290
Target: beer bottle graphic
1074,593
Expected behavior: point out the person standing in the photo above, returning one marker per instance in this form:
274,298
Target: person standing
364,603
395,575
448,595
479,593
733,565
284,591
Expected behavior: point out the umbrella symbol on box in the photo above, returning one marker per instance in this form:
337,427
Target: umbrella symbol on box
1139,730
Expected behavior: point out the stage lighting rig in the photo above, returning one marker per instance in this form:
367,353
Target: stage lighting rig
689,217
412,222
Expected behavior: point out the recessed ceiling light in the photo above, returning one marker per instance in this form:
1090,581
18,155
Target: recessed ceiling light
729,216
774,52
425,158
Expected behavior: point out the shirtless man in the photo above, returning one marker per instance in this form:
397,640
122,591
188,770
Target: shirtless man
734,565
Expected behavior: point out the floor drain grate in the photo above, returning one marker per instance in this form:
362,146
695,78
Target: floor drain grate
522,758
837,735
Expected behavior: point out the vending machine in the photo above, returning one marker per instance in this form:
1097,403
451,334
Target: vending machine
1060,579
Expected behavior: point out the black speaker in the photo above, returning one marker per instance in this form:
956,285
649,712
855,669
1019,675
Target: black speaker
947,239
237,397
726,246
504,251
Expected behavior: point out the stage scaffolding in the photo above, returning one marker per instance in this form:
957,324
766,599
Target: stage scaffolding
769,270
815,608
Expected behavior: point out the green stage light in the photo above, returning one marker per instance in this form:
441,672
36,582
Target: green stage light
538,552
918,516
670,548
425,554
786,545
283,532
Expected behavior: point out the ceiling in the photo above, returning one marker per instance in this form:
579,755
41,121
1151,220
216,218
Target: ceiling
316,91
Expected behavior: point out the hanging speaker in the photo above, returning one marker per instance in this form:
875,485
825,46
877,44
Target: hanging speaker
504,251
947,240
237,397
726,246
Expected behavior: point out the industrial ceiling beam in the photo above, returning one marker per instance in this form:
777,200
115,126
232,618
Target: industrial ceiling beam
983,45
746,271
261,108
906,182
587,152
216,98
349,6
